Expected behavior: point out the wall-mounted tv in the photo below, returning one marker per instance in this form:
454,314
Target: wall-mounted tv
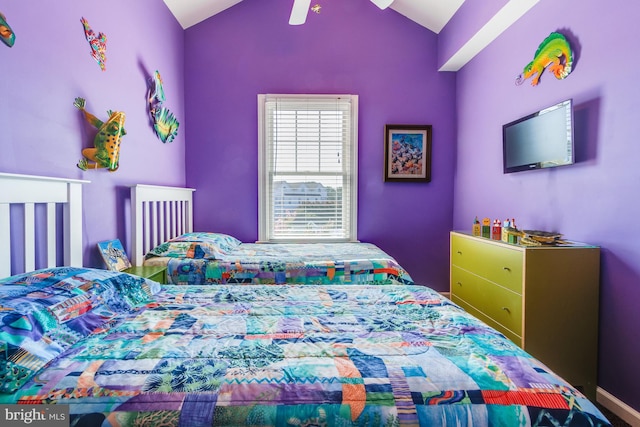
543,139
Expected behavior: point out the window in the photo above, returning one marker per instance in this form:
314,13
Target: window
307,167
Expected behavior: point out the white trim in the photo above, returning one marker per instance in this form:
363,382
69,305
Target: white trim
618,407
32,190
262,171
158,214
510,13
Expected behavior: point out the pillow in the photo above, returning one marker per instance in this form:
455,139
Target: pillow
43,313
198,245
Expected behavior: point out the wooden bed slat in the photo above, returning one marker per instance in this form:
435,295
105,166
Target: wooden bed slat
29,237
162,225
51,235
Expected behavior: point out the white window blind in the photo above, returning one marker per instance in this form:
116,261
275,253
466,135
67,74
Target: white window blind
308,167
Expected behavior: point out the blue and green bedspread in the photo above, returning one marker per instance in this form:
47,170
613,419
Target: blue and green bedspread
268,263
288,355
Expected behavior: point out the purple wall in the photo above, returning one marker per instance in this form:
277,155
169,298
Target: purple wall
593,201
251,49
42,133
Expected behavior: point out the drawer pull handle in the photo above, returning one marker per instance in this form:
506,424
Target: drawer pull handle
459,283
459,252
506,309
506,269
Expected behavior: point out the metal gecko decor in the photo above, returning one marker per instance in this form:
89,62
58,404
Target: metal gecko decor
105,152
6,33
553,53
165,124
98,44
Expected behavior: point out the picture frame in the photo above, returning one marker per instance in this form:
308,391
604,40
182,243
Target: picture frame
114,255
407,153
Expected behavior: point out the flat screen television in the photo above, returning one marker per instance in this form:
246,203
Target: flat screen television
543,139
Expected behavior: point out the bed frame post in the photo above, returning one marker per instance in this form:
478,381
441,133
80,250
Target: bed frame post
73,226
5,241
136,227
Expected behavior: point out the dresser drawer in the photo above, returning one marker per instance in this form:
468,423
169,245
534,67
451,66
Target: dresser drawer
516,339
499,303
497,263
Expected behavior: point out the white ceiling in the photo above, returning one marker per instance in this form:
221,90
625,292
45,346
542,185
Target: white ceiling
431,14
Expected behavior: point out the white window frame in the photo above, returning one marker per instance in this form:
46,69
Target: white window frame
265,233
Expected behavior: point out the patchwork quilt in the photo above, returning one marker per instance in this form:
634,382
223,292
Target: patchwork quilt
269,263
289,355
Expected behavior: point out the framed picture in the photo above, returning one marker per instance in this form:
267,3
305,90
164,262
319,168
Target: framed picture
407,153
114,255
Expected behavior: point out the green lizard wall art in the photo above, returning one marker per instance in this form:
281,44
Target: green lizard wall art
554,52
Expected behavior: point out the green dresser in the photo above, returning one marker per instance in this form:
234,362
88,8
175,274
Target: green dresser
545,299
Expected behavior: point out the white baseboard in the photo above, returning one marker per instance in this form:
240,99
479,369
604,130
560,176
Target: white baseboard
618,407
446,294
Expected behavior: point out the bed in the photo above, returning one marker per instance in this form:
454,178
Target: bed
116,349
163,235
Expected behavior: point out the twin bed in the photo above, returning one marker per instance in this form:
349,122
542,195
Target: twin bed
162,235
309,347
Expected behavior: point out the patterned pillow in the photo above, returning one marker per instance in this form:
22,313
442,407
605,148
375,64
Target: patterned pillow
197,245
42,313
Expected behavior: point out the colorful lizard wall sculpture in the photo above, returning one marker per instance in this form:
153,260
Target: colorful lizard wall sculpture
554,52
6,33
98,44
106,145
164,122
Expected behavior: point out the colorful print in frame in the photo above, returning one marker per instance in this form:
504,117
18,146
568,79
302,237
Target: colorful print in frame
407,153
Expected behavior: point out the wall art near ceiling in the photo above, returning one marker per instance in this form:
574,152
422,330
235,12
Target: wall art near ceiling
105,152
407,153
165,124
6,33
555,53
98,44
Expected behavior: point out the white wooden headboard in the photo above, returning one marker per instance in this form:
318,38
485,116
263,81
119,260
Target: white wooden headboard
158,214
29,191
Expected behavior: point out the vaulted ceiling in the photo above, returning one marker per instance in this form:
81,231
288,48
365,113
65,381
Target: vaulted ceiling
431,14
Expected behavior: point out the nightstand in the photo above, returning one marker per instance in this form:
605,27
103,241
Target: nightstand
157,273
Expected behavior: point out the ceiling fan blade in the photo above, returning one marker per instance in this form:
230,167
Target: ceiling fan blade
299,12
382,4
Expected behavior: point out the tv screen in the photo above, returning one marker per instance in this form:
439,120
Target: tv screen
540,140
